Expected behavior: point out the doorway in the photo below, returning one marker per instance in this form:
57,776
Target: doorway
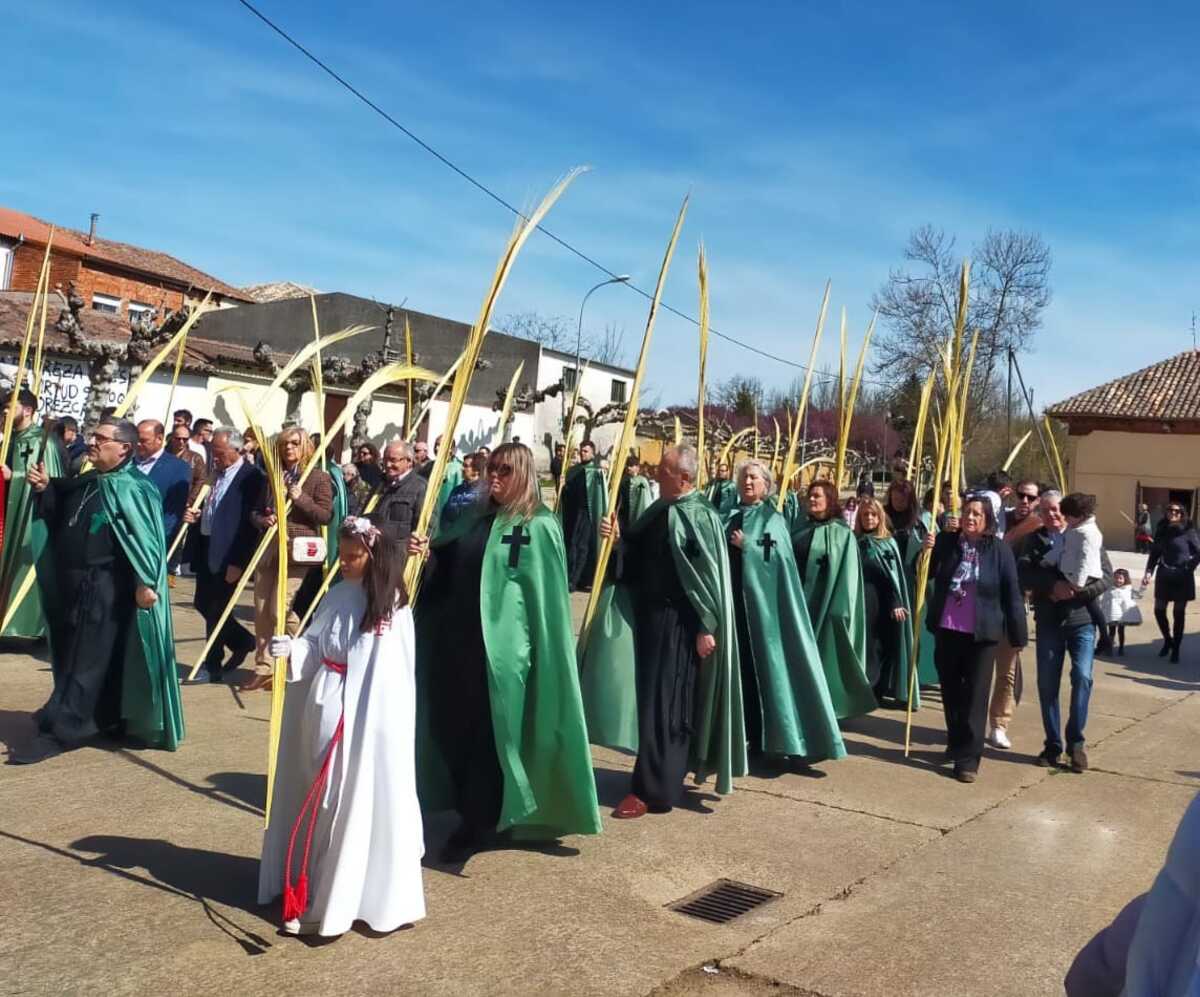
1159,498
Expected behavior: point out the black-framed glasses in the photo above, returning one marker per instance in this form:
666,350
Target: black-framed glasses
1026,497
500,470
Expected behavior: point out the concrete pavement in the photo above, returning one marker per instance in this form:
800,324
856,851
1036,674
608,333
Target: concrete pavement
133,872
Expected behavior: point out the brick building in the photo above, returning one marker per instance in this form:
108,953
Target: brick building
112,277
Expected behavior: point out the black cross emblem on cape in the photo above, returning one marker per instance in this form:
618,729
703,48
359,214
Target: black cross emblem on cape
766,543
26,452
516,540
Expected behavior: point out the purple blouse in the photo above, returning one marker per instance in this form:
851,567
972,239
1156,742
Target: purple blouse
959,611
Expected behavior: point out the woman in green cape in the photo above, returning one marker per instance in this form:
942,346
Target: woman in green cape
888,607
909,531
500,729
830,570
784,696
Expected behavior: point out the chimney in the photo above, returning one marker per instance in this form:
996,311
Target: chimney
91,239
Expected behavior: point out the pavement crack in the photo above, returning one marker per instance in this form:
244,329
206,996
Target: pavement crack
843,809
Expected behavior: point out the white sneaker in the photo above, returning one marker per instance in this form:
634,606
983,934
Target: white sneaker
998,738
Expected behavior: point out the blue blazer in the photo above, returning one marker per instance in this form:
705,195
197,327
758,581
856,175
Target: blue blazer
234,535
173,479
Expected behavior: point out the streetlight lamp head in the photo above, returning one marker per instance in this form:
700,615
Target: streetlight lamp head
622,278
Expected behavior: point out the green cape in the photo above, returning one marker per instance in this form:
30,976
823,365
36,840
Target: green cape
341,507
639,497
606,657
798,717
150,703
595,487
794,512
833,589
722,494
886,554
541,739
451,481
24,534
909,542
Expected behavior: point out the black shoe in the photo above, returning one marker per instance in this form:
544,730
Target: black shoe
1175,650
964,774
1104,647
1166,648
1048,759
466,840
1079,759
42,747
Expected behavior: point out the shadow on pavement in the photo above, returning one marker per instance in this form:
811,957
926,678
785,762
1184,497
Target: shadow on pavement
891,730
246,791
196,874
16,728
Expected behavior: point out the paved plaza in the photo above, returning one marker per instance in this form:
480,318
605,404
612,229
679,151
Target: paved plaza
135,872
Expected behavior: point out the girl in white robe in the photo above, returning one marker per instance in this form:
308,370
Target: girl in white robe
345,839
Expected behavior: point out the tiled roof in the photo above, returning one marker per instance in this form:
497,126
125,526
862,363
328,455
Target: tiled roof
277,291
121,254
1167,390
200,356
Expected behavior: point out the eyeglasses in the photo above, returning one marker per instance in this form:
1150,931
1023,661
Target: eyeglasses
101,438
500,470
1174,511
1025,497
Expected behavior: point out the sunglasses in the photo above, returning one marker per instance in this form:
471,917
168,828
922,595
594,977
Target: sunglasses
1023,497
500,470
1174,511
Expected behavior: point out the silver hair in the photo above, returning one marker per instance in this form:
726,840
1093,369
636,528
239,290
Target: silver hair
404,447
1053,494
124,431
686,459
763,469
234,437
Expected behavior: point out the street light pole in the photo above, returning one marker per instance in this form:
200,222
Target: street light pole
621,279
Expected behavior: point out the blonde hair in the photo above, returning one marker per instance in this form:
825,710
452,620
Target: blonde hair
882,532
520,458
306,445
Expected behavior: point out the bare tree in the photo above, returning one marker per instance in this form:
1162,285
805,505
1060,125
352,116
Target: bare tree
555,332
745,395
608,346
1010,289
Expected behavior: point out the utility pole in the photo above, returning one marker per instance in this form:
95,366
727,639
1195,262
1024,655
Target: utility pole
1008,399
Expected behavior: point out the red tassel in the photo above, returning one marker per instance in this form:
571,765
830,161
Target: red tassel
295,899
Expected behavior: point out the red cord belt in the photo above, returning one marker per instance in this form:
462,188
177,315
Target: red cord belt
295,897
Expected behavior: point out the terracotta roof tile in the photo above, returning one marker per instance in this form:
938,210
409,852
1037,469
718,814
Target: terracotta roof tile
1169,389
122,254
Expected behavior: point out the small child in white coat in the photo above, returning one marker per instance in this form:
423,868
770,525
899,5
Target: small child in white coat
1120,608
1078,556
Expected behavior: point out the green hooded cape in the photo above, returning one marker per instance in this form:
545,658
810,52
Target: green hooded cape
341,507
150,703
884,553
24,534
794,512
909,542
637,493
606,653
798,716
541,739
722,494
833,589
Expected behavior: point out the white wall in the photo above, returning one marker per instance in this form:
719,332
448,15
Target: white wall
597,389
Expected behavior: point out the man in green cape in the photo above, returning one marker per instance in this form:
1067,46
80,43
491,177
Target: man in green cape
24,545
111,639
787,705
658,665
721,491
584,504
634,497
831,572
500,730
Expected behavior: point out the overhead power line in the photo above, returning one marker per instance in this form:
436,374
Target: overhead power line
486,190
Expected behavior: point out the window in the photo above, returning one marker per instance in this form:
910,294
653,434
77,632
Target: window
106,303
137,308
6,257
568,378
618,391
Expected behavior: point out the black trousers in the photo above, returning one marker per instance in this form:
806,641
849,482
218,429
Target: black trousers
667,667
964,668
212,596
89,651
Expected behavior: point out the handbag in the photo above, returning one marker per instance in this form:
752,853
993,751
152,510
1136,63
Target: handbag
308,550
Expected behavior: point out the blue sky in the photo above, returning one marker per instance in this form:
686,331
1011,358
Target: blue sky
813,138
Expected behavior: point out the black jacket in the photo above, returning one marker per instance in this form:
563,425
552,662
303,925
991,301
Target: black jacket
234,536
1039,580
399,506
999,607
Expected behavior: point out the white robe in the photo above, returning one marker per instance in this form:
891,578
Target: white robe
366,853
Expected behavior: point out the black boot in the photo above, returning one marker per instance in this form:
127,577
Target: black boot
1168,644
1175,649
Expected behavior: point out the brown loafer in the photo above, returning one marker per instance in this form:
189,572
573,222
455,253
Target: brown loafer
256,682
630,807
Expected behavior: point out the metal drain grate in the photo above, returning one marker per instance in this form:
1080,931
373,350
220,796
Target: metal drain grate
722,901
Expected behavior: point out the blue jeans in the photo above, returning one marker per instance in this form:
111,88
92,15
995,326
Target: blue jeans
1054,642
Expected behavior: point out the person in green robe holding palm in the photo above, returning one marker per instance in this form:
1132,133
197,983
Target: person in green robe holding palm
24,549
888,607
112,647
830,570
909,531
584,504
634,497
721,491
786,701
501,737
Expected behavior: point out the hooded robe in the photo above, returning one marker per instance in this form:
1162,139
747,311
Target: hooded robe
783,684
24,545
508,672
889,641
831,572
621,657
634,499
722,493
